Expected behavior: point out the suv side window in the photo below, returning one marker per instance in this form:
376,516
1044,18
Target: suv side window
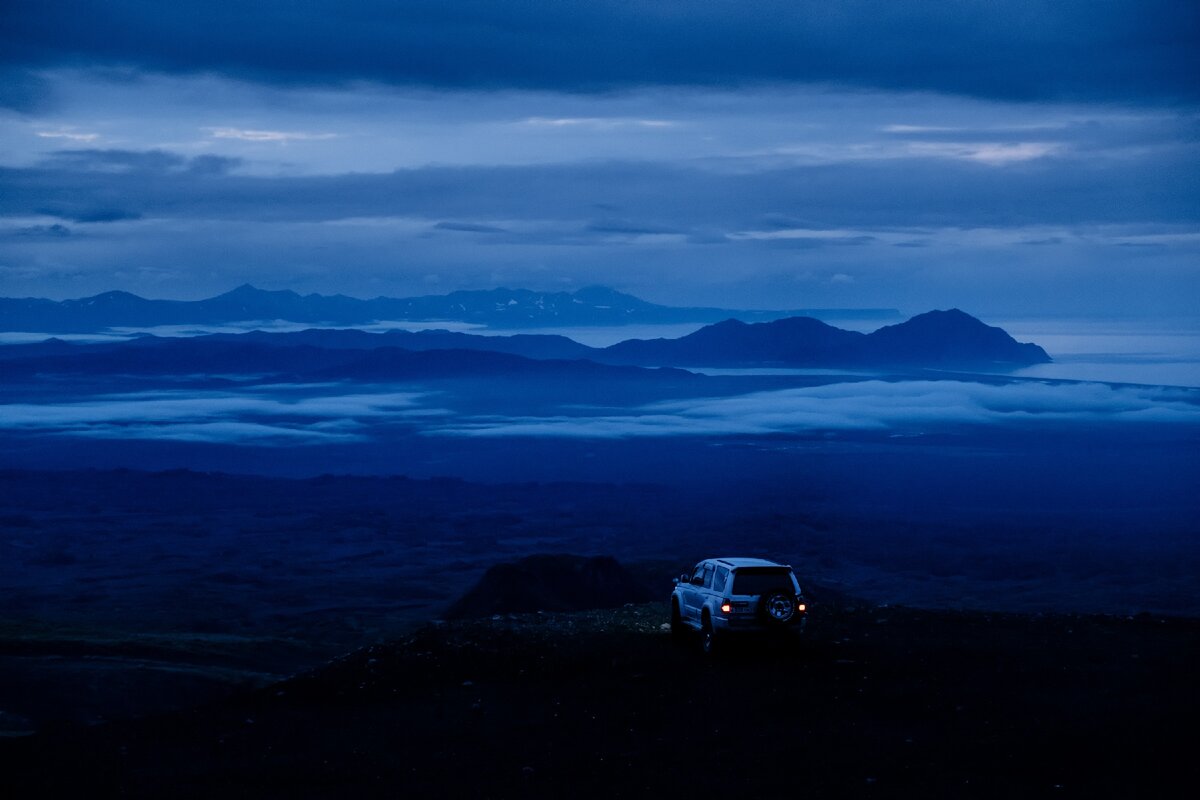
720,579
708,576
697,574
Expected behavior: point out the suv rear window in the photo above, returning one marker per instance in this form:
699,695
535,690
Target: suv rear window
756,580
720,579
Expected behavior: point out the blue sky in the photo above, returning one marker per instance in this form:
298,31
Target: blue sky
1024,158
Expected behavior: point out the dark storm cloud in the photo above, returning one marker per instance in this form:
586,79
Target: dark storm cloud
55,231
1026,49
90,214
142,161
112,185
114,160
212,164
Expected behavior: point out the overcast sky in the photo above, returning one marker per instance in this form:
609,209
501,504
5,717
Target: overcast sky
1019,158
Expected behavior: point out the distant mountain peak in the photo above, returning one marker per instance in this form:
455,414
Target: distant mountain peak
606,294
952,336
953,315
941,320
115,299
248,291
728,324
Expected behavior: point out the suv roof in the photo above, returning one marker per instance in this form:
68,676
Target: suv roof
746,562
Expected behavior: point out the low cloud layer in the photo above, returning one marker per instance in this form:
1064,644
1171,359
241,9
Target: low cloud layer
280,416
908,407
216,417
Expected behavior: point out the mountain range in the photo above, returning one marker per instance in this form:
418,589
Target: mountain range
494,308
950,338
937,339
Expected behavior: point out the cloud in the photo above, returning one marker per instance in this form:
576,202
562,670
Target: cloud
1025,49
114,161
672,196
907,407
992,153
169,406
22,90
643,212
468,227
95,215
628,228
143,162
316,414
919,128
75,137
219,433
596,123
209,164
218,417
55,231
282,137
806,239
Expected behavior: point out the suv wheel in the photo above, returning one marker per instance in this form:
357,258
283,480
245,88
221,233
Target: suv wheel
708,636
678,629
777,607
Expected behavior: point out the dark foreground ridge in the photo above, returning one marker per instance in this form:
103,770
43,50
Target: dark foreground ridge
877,702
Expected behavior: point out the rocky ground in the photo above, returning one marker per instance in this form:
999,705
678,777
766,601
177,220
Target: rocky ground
875,701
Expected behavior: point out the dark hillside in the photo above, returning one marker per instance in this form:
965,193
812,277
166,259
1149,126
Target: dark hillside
878,702
795,340
551,583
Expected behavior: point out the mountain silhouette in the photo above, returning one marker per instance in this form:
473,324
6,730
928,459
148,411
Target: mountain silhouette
528,345
934,339
937,339
287,358
494,308
948,337
795,340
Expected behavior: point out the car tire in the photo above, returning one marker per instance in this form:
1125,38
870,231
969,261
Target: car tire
777,606
708,637
678,628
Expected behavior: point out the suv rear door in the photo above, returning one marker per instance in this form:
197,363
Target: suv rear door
696,592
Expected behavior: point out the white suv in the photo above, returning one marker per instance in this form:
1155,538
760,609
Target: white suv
725,595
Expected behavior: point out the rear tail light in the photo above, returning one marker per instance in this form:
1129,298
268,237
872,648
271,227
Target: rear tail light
726,606
801,607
